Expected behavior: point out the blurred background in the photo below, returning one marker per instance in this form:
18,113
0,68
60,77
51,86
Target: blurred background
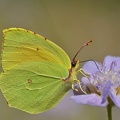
68,23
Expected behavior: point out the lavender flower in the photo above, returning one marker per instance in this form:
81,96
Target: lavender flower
101,85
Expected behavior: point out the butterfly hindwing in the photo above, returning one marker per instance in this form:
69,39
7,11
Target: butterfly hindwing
34,86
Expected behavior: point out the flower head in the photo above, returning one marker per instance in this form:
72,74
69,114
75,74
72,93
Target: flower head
101,85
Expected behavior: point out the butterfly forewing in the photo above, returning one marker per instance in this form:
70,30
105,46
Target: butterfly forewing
20,45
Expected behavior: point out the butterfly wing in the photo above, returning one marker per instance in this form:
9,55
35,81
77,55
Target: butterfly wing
34,86
34,71
21,45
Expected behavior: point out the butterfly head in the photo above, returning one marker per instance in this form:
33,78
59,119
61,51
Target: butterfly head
73,63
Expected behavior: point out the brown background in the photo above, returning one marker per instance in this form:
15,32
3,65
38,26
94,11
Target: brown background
68,23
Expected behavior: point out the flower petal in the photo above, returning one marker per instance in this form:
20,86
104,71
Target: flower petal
90,99
92,67
85,80
109,59
106,91
115,98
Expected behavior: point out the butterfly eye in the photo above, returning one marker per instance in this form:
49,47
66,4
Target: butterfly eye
73,63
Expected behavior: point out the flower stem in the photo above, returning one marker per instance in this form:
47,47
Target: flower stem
109,111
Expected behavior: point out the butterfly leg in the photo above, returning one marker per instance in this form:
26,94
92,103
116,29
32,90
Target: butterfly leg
81,71
73,87
78,82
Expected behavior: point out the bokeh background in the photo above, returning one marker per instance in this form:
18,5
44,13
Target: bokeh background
68,23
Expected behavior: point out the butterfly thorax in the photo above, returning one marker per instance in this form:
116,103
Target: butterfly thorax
72,72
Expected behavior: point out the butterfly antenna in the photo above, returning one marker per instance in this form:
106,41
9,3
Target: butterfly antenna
91,60
86,44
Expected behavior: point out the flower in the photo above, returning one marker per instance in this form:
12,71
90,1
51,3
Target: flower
101,83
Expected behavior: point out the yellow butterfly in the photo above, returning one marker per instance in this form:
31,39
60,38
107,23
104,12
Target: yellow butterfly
37,73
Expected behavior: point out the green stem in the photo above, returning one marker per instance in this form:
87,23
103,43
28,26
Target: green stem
109,111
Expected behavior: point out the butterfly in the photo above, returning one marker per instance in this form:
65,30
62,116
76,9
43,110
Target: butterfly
37,73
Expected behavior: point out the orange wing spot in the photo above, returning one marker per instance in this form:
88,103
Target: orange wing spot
37,49
27,30
9,30
18,29
32,32
29,81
